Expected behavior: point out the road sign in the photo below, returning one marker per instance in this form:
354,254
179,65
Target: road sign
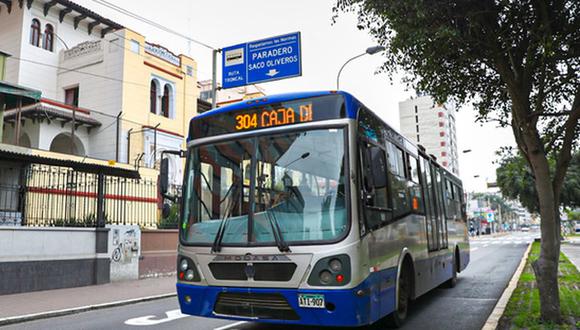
262,60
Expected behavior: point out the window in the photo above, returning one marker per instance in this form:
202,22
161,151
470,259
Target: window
153,97
441,124
442,134
441,114
376,194
35,33
48,41
134,44
398,181
166,101
443,143
443,153
71,96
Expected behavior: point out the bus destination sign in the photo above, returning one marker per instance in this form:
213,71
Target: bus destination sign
284,115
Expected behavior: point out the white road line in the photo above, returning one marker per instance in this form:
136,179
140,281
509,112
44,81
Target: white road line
486,245
474,249
229,326
496,242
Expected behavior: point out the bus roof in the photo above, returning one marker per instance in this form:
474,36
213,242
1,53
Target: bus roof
351,102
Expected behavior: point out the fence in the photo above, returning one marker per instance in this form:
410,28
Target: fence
59,196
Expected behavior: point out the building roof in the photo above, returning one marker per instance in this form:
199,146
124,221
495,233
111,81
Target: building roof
81,164
13,92
67,7
42,111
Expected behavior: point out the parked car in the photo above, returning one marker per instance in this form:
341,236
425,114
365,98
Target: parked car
526,229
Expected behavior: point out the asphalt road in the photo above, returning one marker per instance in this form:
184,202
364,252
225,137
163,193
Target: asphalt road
467,306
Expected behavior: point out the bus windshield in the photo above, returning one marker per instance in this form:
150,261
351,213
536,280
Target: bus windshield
295,180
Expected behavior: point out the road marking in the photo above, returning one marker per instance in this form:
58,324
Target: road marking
486,245
148,320
474,249
229,326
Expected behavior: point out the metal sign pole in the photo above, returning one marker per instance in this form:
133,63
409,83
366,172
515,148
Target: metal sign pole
214,78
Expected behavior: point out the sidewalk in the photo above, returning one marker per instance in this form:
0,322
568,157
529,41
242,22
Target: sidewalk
39,304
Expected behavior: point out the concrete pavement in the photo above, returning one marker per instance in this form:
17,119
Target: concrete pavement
40,304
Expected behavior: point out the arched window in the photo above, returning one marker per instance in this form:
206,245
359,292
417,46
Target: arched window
48,40
165,101
35,33
153,97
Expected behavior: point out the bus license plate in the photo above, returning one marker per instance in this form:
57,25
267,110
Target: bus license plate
311,300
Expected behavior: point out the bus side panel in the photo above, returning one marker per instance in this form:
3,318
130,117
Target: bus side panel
384,251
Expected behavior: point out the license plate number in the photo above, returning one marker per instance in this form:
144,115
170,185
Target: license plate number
311,300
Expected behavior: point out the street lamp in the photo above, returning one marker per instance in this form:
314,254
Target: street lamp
371,51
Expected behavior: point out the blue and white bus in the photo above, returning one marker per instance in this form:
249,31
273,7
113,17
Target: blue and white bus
308,209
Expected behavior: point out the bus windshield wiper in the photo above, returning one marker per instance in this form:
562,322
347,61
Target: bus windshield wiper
216,247
277,232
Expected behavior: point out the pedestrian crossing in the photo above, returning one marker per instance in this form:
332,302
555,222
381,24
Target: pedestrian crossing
502,240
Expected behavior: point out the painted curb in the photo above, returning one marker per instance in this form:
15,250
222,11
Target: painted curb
74,310
500,306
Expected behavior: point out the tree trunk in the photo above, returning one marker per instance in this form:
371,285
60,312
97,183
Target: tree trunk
546,267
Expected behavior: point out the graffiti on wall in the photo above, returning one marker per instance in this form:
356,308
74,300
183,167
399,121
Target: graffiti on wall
125,246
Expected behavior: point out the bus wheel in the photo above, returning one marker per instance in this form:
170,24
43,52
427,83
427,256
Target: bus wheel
452,282
397,318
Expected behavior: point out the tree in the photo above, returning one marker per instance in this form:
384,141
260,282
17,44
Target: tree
517,62
516,181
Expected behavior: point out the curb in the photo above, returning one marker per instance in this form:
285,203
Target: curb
74,310
500,306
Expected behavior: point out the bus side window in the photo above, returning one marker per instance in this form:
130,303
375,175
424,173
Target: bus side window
414,184
375,186
398,180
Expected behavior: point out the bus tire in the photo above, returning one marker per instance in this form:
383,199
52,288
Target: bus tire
404,285
452,282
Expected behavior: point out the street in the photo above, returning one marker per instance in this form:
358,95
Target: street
467,306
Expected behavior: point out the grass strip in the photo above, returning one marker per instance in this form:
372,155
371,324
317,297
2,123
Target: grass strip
523,308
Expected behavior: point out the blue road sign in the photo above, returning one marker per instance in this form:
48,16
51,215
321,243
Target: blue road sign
262,60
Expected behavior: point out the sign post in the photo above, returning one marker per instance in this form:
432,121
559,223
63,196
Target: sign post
262,60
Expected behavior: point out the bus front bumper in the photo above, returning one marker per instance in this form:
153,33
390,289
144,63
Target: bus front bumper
349,307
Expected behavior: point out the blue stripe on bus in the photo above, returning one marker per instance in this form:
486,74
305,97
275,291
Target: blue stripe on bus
350,309
352,104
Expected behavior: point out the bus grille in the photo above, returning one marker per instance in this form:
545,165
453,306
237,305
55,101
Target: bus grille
276,272
257,305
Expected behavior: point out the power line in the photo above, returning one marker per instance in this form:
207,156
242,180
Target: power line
90,74
150,22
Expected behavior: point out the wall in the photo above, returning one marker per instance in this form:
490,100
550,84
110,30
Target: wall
10,33
44,77
141,67
158,253
124,250
33,259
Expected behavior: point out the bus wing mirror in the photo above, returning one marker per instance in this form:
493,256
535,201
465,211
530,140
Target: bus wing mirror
164,176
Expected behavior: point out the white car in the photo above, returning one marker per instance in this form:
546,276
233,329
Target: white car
525,229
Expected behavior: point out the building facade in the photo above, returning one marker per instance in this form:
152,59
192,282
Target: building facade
107,93
431,125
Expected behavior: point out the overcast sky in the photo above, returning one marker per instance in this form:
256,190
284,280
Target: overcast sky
325,47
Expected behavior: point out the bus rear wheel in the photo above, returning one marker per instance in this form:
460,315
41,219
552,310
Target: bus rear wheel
452,282
398,317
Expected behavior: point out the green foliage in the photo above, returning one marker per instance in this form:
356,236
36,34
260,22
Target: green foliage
523,308
516,181
172,221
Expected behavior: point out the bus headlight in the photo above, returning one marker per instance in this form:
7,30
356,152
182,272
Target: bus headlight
325,277
331,271
335,265
186,270
184,265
